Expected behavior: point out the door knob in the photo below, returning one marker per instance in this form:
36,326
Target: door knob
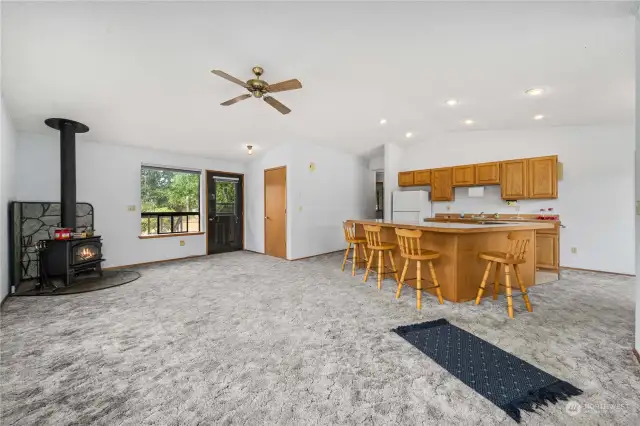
266,217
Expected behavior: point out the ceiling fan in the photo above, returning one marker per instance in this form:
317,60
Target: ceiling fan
258,88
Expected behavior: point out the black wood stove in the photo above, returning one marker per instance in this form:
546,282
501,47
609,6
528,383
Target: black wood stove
66,258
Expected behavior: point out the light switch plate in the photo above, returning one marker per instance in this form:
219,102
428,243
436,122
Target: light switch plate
131,208
181,243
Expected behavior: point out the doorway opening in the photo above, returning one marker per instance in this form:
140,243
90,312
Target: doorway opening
225,212
275,212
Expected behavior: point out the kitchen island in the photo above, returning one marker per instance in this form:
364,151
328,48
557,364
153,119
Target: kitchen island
459,269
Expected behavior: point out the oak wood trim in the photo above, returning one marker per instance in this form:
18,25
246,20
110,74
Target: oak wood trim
206,200
597,270
264,207
153,262
179,234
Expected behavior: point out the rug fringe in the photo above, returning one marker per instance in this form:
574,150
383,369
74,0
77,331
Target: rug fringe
552,393
413,327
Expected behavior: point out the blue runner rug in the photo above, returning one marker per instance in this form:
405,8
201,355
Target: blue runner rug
504,379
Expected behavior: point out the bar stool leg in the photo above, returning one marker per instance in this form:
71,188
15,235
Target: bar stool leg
369,263
354,260
364,252
346,255
393,266
419,285
507,279
523,289
496,282
435,282
380,269
484,282
402,277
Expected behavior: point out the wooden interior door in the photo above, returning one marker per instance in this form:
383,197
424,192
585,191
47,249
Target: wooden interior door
275,212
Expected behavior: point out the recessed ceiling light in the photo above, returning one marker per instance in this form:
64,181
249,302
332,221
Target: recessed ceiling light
534,92
538,117
383,121
452,102
409,134
469,121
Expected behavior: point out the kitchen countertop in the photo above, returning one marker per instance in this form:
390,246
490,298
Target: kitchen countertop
457,228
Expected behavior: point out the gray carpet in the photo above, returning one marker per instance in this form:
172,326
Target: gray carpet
242,338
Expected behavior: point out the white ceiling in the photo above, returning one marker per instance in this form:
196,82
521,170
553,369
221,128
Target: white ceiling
138,73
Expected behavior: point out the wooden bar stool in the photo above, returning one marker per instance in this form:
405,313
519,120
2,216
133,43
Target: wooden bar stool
376,245
514,256
409,241
350,237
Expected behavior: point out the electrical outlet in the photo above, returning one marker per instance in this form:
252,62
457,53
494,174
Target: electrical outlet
574,250
131,208
181,243
448,207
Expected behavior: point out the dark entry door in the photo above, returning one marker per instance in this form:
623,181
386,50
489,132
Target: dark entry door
224,216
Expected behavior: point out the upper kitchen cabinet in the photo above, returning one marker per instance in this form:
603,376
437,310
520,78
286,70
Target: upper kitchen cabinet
513,179
442,184
488,173
405,178
543,177
422,177
464,175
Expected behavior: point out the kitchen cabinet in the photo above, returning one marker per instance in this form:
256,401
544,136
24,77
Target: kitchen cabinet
405,178
464,175
442,184
488,173
513,179
543,177
547,251
422,177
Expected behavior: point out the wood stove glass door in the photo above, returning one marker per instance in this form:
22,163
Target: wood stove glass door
225,212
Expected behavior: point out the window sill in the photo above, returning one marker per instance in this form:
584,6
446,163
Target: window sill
181,234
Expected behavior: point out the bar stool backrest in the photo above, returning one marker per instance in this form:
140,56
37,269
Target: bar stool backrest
349,231
409,241
372,233
518,245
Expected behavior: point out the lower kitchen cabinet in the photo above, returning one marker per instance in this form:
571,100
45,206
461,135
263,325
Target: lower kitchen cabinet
547,253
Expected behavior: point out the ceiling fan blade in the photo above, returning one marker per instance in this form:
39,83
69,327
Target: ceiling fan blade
230,78
277,105
236,99
285,85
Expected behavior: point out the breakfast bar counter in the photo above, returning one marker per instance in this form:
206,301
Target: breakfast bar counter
459,269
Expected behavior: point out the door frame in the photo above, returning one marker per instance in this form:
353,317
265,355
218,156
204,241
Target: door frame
264,208
206,197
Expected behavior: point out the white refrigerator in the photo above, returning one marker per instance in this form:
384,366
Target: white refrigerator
411,206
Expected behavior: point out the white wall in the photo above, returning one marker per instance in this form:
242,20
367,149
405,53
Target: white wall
393,157
595,196
339,186
637,179
8,138
254,191
108,177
